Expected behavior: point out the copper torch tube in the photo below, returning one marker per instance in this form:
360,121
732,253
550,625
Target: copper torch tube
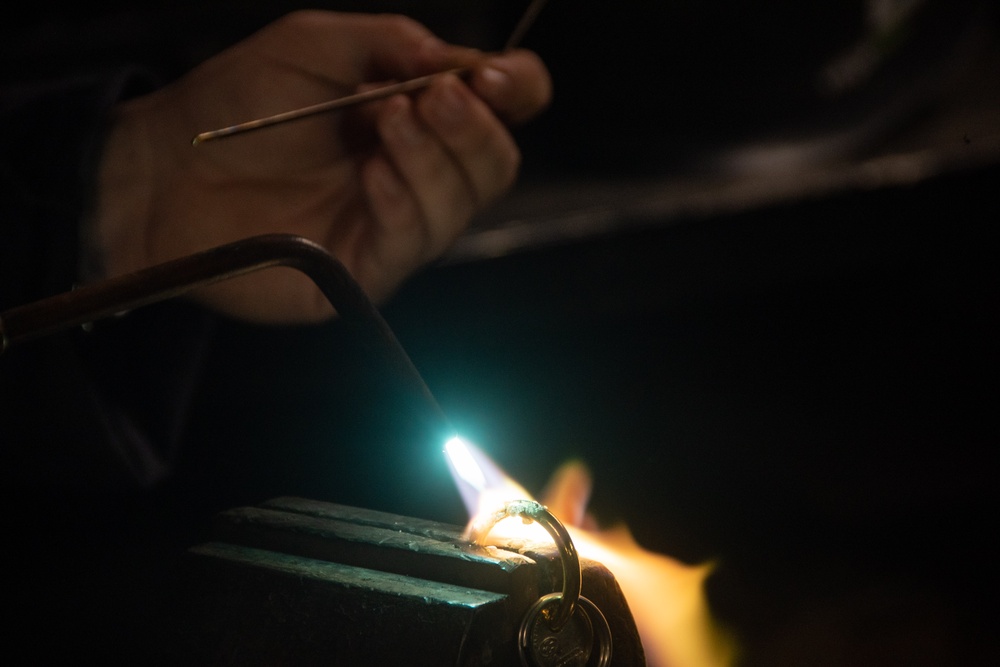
170,279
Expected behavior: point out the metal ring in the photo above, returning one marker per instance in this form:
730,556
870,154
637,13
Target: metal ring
572,573
602,631
525,635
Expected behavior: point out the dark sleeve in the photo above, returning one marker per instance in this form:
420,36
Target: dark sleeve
80,411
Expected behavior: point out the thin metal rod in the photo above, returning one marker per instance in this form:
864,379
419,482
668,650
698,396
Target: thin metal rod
527,19
170,279
410,85
324,107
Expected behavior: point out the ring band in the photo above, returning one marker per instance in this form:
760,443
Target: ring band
572,573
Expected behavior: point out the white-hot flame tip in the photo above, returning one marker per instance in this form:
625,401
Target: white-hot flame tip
464,464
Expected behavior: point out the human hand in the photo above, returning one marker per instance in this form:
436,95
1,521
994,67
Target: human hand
385,187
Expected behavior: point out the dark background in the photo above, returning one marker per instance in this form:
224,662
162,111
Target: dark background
760,308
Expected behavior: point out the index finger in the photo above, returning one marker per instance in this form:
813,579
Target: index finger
353,48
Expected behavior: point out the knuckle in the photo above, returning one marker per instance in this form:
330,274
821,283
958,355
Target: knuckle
509,167
300,18
402,25
506,164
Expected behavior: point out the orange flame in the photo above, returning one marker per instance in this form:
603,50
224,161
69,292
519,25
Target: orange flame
666,597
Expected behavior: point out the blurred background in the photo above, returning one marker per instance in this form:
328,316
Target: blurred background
748,276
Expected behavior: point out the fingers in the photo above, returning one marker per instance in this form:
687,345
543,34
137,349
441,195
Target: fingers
444,156
516,85
352,48
393,246
438,180
436,200
481,146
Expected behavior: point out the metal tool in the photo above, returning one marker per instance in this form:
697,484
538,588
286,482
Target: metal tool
174,278
297,581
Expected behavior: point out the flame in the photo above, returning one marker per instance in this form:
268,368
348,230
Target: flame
666,597
484,487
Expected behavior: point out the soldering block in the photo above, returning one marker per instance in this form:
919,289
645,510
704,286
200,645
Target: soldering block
302,582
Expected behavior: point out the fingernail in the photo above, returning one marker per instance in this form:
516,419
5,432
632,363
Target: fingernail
497,80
